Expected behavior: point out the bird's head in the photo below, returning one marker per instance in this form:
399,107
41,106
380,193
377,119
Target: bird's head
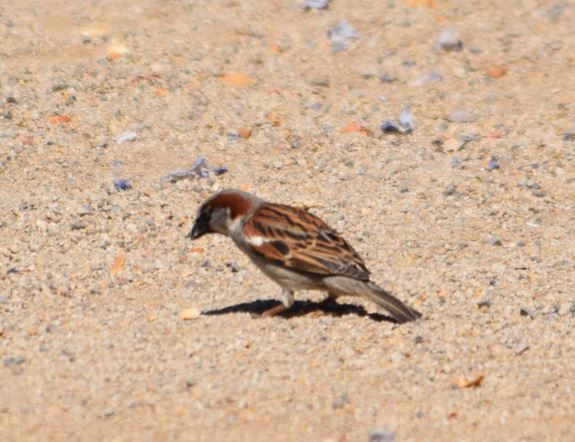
223,213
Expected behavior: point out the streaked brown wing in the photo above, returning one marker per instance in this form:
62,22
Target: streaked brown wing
301,241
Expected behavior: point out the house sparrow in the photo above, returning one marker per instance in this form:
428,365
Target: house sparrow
294,248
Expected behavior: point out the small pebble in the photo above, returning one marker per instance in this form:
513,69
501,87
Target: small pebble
484,305
380,435
555,11
234,267
86,210
450,190
386,78
320,82
448,41
219,170
493,240
341,402
190,313
406,120
390,127
126,136
468,138
462,116
493,164
569,136
572,309
234,137
198,169
59,86
430,77
405,126
315,4
455,162
78,225
313,106
13,361
524,311
340,35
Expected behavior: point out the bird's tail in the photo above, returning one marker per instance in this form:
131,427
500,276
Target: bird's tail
397,309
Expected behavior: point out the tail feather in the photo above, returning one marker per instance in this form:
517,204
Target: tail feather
397,309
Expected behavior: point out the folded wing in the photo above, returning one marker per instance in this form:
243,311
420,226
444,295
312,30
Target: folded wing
300,241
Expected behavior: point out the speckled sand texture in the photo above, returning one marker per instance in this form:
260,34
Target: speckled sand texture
114,326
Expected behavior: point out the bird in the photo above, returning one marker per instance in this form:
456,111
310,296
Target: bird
294,248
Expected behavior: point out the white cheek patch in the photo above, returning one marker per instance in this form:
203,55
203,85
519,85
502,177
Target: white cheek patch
255,240
235,224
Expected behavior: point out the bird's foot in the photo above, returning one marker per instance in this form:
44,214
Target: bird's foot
329,301
274,311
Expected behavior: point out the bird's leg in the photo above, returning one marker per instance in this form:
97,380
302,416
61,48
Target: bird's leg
287,302
330,299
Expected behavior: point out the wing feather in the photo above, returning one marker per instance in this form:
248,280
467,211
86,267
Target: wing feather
298,240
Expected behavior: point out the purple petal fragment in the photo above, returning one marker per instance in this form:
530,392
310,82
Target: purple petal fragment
199,169
122,184
493,164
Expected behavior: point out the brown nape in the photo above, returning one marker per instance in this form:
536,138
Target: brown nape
238,204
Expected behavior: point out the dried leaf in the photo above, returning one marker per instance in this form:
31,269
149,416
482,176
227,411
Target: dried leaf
244,132
496,72
55,119
116,50
160,91
239,79
273,119
422,3
111,56
197,250
352,127
118,264
473,383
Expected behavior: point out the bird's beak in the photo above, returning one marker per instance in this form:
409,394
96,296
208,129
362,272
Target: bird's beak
201,227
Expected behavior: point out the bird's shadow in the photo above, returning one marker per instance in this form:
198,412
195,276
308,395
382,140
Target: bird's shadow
300,308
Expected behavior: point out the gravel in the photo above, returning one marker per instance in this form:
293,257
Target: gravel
114,324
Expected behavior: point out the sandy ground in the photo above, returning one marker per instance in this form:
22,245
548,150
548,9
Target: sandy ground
96,282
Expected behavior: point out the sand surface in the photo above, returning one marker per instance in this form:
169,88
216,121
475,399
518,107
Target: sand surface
114,326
